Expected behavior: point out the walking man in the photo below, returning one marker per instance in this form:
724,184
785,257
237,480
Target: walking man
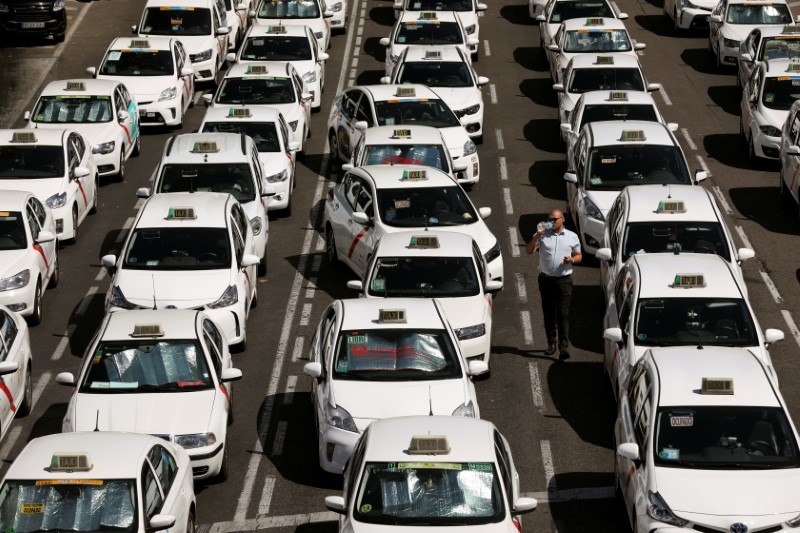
559,249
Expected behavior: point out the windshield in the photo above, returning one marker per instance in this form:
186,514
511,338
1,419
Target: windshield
780,47
12,231
735,438
613,167
582,41
439,5
694,321
429,493
73,505
597,113
674,237
293,9
436,74
178,248
566,9
427,32
425,207
255,91
429,277
72,109
232,178
138,63
748,13
31,161
276,49
180,21
422,112
430,155
596,79
263,133
780,92
147,366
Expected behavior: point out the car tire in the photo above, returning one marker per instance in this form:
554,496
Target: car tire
120,177
222,475
137,146
54,277
675,28
333,145
95,200
36,317
190,524
26,405
287,211
254,300
720,64
74,238
751,152
333,256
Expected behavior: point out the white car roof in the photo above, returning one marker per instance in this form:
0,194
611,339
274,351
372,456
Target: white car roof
681,370
210,210
275,69
610,60
609,133
198,148
470,439
257,114
451,244
756,2
180,3
604,97
643,203
774,31
774,68
80,86
155,43
417,52
13,200
43,136
114,455
362,313
417,16
175,323
390,135
394,176
270,31
608,23
382,93
656,273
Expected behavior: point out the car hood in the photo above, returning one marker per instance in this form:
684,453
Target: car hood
739,32
94,133
459,97
14,261
464,311
147,88
775,117
42,188
191,289
455,138
603,199
195,44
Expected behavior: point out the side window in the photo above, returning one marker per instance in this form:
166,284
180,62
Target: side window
349,104
214,340
355,465
238,241
38,210
298,85
119,101
32,221
164,466
217,23
641,407
479,261
8,333
241,219
364,201
328,338
363,112
178,59
256,164
151,492
504,464
580,156
619,287
352,186
795,131
284,132
73,156
80,146
625,312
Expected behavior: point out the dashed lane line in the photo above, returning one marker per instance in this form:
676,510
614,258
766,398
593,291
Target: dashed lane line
547,462
502,168
513,241
722,201
688,138
536,386
527,329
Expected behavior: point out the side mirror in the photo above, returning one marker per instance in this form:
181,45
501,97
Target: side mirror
348,166
268,191
482,80
628,450
45,236
566,127
360,217
493,286
8,367
653,87
570,177
460,165
241,5
613,334
385,41
524,505
772,335
484,212
307,97
476,368
700,175
65,378
134,28
746,57
552,47
207,98
222,30
251,14
743,254
355,284
541,18
622,16
230,374
361,125
80,172
603,254
313,369
672,126
109,261
143,192
793,150
715,18
327,14
123,115
91,71
481,7
294,146
558,87
160,522
335,504
26,115
472,41
639,46
186,71
323,56
249,260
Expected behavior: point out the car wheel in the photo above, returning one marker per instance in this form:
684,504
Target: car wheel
190,524
95,200
181,108
751,152
54,277
27,400
36,317
121,173
262,266
333,145
675,28
74,238
254,300
720,64
137,146
223,469
333,257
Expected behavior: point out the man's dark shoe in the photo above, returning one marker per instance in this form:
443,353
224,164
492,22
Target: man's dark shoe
551,348
563,355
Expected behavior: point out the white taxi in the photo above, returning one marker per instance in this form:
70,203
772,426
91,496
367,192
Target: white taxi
165,373
28,254
99,480
609,156
275,143
103,111
437,264
238,16
704,442
200,26
374,200
338,9
277,85
58,167
16,365
218,162
586,36
410,145
467,11
311,13
732,20
361,107
428,28
448,71
688,14
158,73
294,44
763,43
673,219
788,182
379,358
188,251
691,300
553,12
767,97
453,473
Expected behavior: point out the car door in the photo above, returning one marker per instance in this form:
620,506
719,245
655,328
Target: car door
186,82
77,157
220,21
790,164
552,55
131,124
162,490
618,314
245,275
750,101
578,166
122,115
362,237
323,346
44,252
11,385
714,27
346,119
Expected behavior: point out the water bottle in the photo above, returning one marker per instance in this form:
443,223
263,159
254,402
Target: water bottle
541,226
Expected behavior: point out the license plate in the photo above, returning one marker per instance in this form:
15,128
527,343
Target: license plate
32,25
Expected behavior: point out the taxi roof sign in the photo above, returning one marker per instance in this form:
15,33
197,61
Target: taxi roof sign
604,60
688,281
433,54
401,134
181,213
414,175
794,65
791,28
391,316
140,43
23,137
428,15
633,135
75,86
205,147
276,29
717,386
597,21
406,91
242,112
147,330
429,445
70,462
618,96
257,69
671,206
424,241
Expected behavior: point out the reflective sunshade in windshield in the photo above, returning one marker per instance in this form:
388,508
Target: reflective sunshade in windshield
780,92
75,505
751,13
147,366
429,493
232,178
674,237
276,49
439,5
422,112
597,79
293,9
176,21
263,90
178,249
428,32
581,41
395,354
429,155
694,321
12,231
138,63
724,438
430,277
73,109
425,207
780,48
614,167
597,113
38,161
565,10
436,74
263,133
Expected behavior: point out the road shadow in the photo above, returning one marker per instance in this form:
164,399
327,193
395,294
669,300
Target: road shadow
727,97
331,526
374,48
370,77
333,282
544,134
657,24
517,14
607,511
83,322
701,60
540,91
548,178
49,422
382,15
727,148
780,217
531,58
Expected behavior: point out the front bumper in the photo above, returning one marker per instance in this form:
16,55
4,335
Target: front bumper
477,349
591,233
281,198
63,219
473,123
767,147
473,173
205,70
167,113
338,18
206,462
20,300
34,24
335,448
728,56
692,17
108,164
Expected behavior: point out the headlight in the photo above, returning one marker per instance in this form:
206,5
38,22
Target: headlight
57,200
58,5
592,211
338,417
17,281
688,4
228,298
293,124
659,510
469,147
256,224
730,43
168,94
493,253
337,7
770,131
310,77
118,299
4,8
198,440
104,148
280,176
471,332
471,110
318,34
205,55
467,409
470,29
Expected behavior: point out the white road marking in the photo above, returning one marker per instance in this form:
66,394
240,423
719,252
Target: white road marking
547,462
536,386
502,168
320,243
311,289
352,76
722,201
305,314
124,231
486,50
41,383
358,42
266,496
354,63
787,317
743,236
688,138
297,352
499,133
493,93
522,293
280,439
513,241
291,386
773,290
87,299
527,329
316,263
101,274
507,201
270,522
702,163
60,348
11,438
664,95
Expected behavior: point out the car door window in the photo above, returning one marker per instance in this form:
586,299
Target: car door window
363,112
241,219
329,339
795,128
641,407
152,495
479,261
352,186
8,334
164,466
504,464
38,210
351,481
349,104
73,155
119,103
214,340
33,222
364,202
284,132
238,241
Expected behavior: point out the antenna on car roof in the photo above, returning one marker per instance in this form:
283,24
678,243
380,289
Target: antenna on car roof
153,278
97,421
430,402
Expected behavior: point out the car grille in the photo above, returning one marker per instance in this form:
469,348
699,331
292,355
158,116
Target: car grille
32,13
199,470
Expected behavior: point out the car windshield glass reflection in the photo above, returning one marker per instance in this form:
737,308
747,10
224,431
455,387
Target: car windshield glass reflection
166,21
293,9
748,13
613,167
232,178
425,207
255,91
597,113
138,63
423,32
276,49
263,133
597,79
439,5
416,112
72,110
38,161
431,277
582,41
568,9
675,237
780,48
780,92
178,249
450,74
12,231
429,155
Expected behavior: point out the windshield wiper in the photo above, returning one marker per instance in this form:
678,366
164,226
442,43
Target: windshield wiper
149,387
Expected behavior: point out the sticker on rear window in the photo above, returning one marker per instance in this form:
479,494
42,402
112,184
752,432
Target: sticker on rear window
769,98
670,454
681,421
402,204
114,56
